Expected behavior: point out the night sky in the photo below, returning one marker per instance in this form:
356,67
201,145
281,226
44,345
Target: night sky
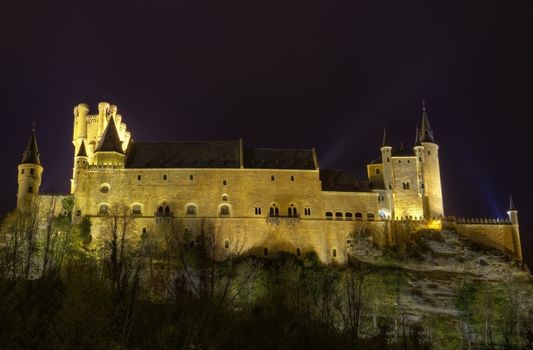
282,73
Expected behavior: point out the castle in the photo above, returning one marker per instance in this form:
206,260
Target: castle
265,200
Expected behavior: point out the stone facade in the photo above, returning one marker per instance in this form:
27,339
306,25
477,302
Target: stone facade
263,200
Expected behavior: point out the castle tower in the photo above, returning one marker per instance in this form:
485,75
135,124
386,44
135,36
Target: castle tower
29,174
513,217
79,139
386,154
109,151
430,174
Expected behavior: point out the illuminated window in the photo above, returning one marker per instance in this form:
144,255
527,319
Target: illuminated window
358,216
258,211
136,209
329,215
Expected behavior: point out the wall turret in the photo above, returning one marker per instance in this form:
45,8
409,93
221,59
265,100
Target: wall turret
513,217
433,206
30,173
103,111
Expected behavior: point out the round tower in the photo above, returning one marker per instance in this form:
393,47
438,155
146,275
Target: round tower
29,175
513,217
430,169
103,110
386,154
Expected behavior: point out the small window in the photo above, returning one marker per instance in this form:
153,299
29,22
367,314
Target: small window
164,177
329,215
292,178
30,189
136,209
338,215
22,172
138,177
370,216
224,210
191,209
334,252
298,252
419,159
104,188
358,216
31,171
191,177
224,182
226,244
348,216
265,251
388,160
408,161
390,186
257,210
272,178
377,171
144,229
399,161
224,198
78,212
429,152
307,211
104,209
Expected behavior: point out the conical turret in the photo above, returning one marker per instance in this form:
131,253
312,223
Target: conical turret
426,133
31,154
29,174
110,141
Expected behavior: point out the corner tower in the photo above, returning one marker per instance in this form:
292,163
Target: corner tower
30,173
428,154
515,229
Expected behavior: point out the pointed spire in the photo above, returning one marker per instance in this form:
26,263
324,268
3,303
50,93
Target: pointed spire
82,152
511,204
110,141
384,143
417,137
426,133
31,154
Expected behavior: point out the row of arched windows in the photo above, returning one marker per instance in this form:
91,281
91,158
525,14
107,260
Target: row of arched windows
349,216
292,211
163,209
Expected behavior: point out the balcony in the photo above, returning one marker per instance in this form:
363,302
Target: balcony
289,220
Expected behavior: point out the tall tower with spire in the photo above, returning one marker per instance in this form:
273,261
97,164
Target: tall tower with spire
30,173
428,154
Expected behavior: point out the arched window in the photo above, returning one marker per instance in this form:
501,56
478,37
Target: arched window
265,251
103,209
167,210
348,215
258,211
224,197
271,212
191,177
272,178
290,211
164,177
370,216
292,178
298,252
160,209
191,209
358,216
390,186
224,210
276,211
329,215
307,211
224,182
226,244
136,209
338,215
407,186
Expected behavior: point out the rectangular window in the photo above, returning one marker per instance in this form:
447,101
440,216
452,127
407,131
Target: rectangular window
22,172
78,212
191,177
31,171
138,177
257,210
164,177
30,189
377,171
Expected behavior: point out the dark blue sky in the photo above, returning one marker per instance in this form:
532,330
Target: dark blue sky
282,73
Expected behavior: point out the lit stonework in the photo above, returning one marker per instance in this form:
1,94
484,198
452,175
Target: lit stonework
265,200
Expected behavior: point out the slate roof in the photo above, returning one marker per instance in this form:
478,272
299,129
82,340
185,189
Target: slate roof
204,154
343,181
110,141
82,152
403,152
31,154
261,158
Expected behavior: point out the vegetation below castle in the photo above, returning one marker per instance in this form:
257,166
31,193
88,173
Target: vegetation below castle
60,288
